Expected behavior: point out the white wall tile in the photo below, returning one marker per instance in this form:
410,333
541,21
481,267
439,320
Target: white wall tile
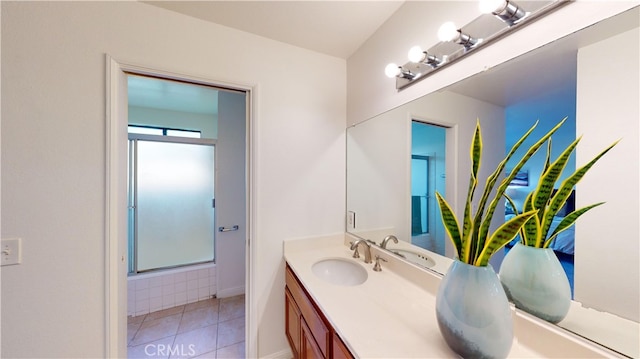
203,282
203,273
203,293
193,274
155,281
155,304
141,283
168,301
192,284
192,295
180,287
181,298
167,279
141,294
155,292
180,277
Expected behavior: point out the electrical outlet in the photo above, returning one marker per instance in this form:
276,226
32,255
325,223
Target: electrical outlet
351,220
11,251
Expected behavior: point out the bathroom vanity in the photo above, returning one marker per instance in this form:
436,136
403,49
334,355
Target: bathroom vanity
388,314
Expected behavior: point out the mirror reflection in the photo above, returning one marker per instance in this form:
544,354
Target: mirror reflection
397,160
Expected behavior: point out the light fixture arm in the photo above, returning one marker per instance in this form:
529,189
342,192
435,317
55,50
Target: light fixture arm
466,40
511,13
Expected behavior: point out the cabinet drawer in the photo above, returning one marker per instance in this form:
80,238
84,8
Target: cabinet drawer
311,316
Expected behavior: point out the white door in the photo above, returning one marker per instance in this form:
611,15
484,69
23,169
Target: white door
231,187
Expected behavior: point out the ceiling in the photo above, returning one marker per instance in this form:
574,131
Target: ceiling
336,28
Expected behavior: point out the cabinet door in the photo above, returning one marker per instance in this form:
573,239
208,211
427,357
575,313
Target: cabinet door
292,324
339,350
310,349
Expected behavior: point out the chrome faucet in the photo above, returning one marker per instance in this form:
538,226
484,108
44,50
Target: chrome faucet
386,239
367,249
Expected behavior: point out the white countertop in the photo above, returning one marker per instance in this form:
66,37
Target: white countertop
392,314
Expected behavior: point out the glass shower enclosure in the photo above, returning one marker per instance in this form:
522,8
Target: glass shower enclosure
171,202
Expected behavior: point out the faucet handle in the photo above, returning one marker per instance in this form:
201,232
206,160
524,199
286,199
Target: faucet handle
355,251
377,266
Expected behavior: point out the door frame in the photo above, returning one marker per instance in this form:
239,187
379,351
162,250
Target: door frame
116,209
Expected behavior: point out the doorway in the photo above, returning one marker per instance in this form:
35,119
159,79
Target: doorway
428,159
232,276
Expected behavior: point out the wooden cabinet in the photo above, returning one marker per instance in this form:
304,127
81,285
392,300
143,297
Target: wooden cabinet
309,333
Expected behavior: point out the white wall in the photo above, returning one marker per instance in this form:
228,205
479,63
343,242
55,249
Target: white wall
53,156
607,110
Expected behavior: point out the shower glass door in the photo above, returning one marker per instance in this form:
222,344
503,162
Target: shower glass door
172,191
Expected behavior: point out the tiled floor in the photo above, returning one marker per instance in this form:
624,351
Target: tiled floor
212,328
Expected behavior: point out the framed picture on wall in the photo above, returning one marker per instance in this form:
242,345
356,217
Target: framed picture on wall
521,178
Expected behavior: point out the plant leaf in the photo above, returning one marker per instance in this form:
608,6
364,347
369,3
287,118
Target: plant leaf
565,189
488,216
450,223
468,232
548,180
503,235
567,222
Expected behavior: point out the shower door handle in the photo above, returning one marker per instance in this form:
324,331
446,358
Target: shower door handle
228,229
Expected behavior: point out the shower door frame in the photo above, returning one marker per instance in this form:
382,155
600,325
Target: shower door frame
133,190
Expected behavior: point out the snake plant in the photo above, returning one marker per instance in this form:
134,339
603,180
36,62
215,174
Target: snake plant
473,242
546,204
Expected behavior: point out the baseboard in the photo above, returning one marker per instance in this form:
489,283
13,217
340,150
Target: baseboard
229,292
283,354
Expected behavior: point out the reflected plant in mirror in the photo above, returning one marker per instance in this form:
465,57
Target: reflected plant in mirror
472,241
531,274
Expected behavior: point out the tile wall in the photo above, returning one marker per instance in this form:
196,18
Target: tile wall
151,292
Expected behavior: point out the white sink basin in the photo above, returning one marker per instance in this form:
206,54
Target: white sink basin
340,271
414,257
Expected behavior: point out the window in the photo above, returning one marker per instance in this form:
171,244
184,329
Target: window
163,131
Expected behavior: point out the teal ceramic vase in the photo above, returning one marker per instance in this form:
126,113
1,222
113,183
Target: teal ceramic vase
535,282
473,312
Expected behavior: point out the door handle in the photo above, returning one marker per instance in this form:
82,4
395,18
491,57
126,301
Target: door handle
228,229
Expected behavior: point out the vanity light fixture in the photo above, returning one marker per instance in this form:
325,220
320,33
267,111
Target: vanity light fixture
511,17
449,32
418,56
506,10
392,70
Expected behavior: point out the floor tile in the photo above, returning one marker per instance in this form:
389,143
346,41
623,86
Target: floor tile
132,329
154,349
198,318
164,313
234,351
231,308
151,330
230,332
136,320
191,330
197,341
213,302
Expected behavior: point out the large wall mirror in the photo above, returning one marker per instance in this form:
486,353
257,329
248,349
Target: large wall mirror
397,160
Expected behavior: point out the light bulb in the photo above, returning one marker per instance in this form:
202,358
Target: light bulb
491,6
392,70
448,31
416,55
